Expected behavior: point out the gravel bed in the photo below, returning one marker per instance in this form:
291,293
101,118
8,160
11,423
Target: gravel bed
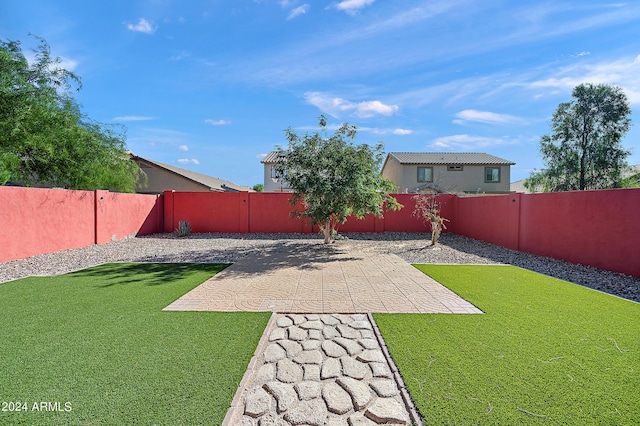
228,248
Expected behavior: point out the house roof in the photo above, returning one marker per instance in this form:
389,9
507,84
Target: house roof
449,158
213,183
271,157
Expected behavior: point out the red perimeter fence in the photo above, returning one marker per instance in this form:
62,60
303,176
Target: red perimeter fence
596,228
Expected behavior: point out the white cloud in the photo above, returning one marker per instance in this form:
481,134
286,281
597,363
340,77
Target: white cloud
465,141
484,117
133,118
217,122
188,161
402,132
352,6
183,148
300,10
623,72
143,26
334,106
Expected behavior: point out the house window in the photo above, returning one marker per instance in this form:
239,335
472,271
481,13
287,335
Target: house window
274,174
492,174
425,174
454,168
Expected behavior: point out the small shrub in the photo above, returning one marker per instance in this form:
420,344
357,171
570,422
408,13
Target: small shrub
183,229
428,208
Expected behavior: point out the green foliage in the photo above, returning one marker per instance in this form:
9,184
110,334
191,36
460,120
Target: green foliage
545,351
584,150
184,229
258,187
44,137
99,339
334,178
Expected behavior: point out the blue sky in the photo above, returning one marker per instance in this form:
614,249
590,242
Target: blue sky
212,85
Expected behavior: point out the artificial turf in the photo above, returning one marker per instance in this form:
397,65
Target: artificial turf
96,348
545,352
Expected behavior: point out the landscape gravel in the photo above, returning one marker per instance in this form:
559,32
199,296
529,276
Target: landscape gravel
228,248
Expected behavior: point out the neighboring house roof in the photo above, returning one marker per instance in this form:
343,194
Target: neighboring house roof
449,158
213,183
270,158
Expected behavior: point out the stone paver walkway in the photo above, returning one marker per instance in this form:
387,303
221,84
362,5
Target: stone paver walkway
320,369
322,279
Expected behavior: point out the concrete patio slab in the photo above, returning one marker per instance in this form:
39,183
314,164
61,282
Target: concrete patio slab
305,278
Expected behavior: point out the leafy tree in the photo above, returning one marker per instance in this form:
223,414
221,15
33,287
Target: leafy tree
45,138
584,150
333,177
258,187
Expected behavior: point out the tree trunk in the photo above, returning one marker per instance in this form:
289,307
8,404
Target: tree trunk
326,231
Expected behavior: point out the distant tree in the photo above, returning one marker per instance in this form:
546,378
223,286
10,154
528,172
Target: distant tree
258,187
584,150
333,177
45,138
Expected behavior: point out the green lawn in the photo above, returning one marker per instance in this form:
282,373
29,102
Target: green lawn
98,341
545,352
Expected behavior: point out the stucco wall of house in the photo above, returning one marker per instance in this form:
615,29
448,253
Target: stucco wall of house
161,180
392,170
470,179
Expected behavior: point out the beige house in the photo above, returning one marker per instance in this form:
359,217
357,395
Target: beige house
161,177
273,182
452,172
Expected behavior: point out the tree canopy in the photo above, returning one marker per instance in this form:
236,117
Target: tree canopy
584,149
45,139
333,177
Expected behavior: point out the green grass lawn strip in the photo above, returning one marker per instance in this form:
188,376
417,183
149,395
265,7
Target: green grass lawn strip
545,352
98,339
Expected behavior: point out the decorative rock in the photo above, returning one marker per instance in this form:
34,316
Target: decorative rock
288,371
265,373
329,320
380,369
360,317
371,355
312,412
296,333
348,332
277,334
284,321
385,388
367,334
247,421
359,419
312,317
330,368
337,399
387,410
273,353
368,343
271,419
315,334
344,319
330,332
360,393
309,345
353,368
292,348
297,319
351,346
312,325
336,421
309,357
361,325
257,402
333,349
308,390
311,372
284,394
